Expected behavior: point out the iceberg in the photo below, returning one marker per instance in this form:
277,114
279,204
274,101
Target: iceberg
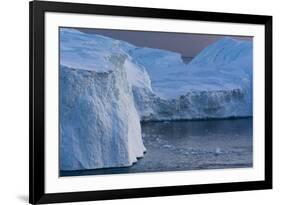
99,124
215,84
108,86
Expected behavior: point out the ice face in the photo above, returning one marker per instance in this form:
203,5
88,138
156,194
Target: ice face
99,125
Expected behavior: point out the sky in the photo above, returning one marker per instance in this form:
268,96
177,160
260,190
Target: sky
189,45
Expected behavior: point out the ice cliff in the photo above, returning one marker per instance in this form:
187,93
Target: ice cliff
99,124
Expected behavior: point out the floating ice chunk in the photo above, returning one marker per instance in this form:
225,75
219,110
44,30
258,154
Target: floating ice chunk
218,151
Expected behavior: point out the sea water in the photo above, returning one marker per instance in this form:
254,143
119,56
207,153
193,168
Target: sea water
190,145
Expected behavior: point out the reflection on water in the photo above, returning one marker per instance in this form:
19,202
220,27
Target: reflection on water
190,145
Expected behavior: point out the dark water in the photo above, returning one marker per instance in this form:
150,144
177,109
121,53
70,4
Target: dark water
190,145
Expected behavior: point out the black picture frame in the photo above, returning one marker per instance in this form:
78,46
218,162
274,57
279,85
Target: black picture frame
37,11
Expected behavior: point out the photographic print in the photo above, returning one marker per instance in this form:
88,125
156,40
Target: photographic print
129,102
144,101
